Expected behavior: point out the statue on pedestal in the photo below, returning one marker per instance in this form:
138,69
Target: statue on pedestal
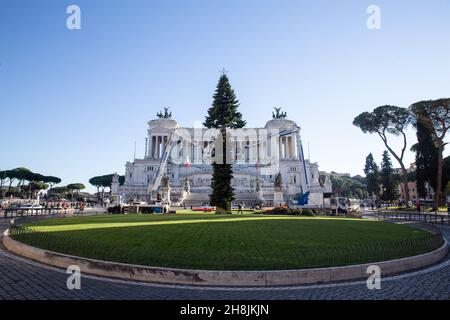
187,186
259,192
115,184
278,114
278,199
186,191
165,115
165,190
278,182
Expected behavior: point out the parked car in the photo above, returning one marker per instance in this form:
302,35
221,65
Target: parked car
31,206
14,206
204,208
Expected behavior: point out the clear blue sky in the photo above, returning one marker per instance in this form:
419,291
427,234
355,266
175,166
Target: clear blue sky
74,102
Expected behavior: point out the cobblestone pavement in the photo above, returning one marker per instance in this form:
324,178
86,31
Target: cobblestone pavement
24,279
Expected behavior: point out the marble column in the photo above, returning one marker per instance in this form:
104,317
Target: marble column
150,143
160,141
290,147
153,147
164,145
146,148
283,152
281,147
294,146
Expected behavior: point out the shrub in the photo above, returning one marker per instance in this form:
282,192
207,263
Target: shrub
291,212
308,213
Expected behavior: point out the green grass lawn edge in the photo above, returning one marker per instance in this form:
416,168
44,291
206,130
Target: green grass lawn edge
237,242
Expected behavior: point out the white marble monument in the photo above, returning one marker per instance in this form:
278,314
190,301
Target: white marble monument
258,156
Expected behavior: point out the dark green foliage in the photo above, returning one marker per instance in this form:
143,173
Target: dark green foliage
105,181
22,175
427,152
388,119
388,183
372,176
412,176
291,212
60,191
222,192
348,187
51,180
74,190
437,113
76,186
223,115
224,111
307,213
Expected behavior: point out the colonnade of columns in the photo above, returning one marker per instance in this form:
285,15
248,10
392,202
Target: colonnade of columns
157,145
249,150
243,150
288,147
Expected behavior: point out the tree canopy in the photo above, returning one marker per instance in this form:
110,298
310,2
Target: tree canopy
438,115
224,110
350,187
75,186
427,153
387,179
372,176
20,176
386,120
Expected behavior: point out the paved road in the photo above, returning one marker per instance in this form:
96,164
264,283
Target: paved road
24,279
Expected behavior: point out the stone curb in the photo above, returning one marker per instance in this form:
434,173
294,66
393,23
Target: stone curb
222,278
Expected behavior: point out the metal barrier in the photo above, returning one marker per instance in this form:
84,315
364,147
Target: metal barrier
415,216
23,212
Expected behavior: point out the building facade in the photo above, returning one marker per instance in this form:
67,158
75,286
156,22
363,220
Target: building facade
176,167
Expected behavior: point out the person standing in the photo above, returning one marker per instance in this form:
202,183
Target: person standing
240,208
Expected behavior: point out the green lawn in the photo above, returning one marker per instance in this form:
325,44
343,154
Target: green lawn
238,242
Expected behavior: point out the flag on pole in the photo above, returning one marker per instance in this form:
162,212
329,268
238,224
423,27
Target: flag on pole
188,163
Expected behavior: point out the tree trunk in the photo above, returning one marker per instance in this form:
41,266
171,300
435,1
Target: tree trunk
405,184
404,173
437,192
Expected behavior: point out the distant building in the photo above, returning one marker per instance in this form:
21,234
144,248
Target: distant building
412,186
336,174
412,168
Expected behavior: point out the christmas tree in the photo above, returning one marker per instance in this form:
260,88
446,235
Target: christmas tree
223,115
